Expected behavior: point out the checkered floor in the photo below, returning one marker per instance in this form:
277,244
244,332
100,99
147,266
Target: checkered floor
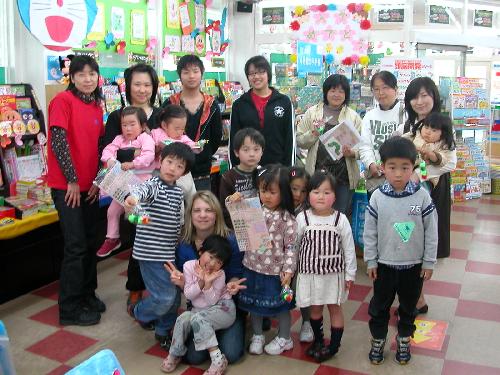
464,292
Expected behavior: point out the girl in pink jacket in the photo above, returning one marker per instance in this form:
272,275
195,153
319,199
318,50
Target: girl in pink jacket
135,150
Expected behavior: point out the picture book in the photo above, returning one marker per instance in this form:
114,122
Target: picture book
344,134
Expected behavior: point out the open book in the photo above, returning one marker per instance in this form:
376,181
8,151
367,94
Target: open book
344,134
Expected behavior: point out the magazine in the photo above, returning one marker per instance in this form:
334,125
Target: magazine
344,134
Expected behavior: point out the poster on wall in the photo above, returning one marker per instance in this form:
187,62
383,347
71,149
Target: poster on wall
199,16
273,16
138,27
136,58
53,68
216,41
57,35
439,15
199,43
85,52
483,18
308,59
391,15
173,43
187,43
173,14
118,22
186,25
406,70
98,28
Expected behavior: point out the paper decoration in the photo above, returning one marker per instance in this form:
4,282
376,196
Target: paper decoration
151,46
308,60
173,14
120,47
404,230
187,43
118,22
138,27
58,27
429,334
216,42
92,44
199,43
185,20
98,30
173,43
199,16
249,225
109,40
406,70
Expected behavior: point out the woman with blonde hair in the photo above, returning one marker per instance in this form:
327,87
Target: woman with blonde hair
203,217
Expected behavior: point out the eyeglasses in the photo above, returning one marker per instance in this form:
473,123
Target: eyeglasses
378,90
258,72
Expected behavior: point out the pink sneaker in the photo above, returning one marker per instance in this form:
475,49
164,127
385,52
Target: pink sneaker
217,369
109,245
170,363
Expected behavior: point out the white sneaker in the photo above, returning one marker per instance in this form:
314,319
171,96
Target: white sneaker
278,346
306,332
257,344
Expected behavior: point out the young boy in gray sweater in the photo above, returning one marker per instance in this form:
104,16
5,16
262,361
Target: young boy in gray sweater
400,245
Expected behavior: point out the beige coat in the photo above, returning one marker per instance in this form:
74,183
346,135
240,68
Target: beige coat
309,142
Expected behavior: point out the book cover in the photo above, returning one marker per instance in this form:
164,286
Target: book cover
8,101
23,102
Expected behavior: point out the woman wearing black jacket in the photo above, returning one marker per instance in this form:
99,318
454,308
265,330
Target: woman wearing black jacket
266,110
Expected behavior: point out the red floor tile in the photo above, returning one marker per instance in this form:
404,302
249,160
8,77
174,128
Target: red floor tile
442,288
427,352
299,349
462,228
359,292
329,370
459,254
62,345
295,317
48,316
489,201
50,291
464,209
123,273
478,310
488,238
156,351
362,314
193,371
462,368
488,217
483,267
61,370
124,255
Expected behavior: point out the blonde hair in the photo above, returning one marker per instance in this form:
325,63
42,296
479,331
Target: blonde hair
189,231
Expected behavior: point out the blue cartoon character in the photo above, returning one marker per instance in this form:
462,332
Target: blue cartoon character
58,24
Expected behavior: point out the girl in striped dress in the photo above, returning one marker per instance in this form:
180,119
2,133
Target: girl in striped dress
327,263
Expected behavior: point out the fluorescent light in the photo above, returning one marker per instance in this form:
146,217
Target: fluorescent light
446,3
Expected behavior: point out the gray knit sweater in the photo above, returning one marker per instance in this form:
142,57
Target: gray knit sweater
400,228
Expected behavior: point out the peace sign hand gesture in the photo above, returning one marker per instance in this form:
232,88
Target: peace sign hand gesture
176,276
234,286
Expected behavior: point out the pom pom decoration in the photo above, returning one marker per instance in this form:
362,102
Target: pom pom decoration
365,25
208,3
165,52
286,294
351,7
332,7
322,8
367,7
295,25
120,47
359,7
91,44
293,58
109,40
329,58
299,11
355,59
347,61
364,60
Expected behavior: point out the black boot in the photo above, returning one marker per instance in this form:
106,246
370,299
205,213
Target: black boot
336,337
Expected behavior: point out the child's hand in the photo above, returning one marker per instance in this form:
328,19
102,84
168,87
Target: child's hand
429,156
348,285
200,274
210,277
234,286
130,202
127,166
176,276
426,274
348,152
372,273
236,197
375,170
110,163
286,278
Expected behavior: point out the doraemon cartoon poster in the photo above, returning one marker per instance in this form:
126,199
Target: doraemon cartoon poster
58,24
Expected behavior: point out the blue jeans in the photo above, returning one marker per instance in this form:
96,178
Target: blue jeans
78,270
163,301
203,184
343,199
231,342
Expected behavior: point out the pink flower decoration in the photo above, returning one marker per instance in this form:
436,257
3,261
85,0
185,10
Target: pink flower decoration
319,18
348,32
310,34
358,7
355,59
314,8
328,34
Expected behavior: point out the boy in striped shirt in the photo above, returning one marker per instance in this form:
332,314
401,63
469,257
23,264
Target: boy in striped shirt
156,241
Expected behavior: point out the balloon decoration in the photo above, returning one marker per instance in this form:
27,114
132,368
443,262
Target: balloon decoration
151,47
215,32
339,32
120,47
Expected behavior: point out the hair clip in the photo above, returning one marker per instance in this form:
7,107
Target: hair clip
261,172
293,173
324,171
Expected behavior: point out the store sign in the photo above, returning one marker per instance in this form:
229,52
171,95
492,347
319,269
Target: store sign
218,62
391,16
483,18
406,70
85,52
273,16
439,15
136,58
308,59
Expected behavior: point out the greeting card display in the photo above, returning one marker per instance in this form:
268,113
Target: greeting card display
344,134
249,225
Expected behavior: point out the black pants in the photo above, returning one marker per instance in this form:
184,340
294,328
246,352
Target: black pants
78,270
135,283
407,284
441,196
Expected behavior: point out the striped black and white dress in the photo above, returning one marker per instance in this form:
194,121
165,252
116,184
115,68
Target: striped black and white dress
157,240
326,258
